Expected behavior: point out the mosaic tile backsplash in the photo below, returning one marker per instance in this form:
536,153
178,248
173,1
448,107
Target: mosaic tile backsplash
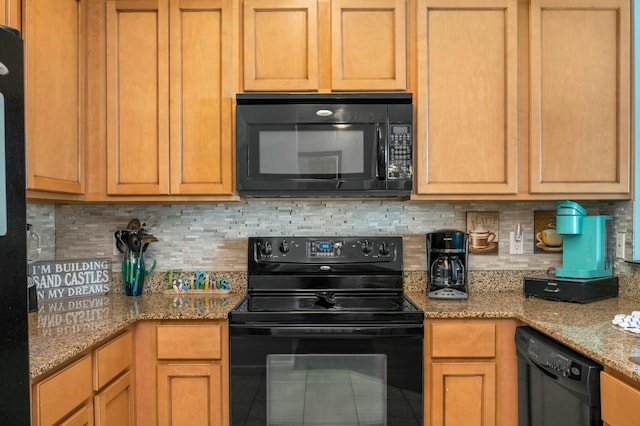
212,237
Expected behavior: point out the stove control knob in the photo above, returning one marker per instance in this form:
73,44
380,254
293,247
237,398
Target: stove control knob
284,246
366,247
265,248
383,249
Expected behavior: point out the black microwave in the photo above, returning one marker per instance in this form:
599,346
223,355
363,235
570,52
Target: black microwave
324,145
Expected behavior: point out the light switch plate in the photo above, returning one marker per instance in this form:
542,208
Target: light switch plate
620,244
515,247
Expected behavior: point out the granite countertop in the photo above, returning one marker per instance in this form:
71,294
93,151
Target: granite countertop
61,330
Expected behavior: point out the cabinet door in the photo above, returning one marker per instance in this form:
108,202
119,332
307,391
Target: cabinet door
54,92
114,405
580,96
368,45
467,100
200,81
82,417
55,397
463,394
11,13
620,402
189,394
280,45
137,97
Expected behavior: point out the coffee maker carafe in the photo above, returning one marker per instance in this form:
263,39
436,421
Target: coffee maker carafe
447,259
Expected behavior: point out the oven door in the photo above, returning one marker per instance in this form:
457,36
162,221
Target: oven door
326,375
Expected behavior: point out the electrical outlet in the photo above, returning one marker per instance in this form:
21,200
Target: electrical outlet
115,248
620,244
516,247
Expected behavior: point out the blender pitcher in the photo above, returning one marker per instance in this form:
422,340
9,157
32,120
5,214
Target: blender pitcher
134,271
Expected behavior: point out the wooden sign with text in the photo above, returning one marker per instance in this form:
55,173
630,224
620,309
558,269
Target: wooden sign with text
73,278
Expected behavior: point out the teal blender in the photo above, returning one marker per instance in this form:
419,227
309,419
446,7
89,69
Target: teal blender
585,249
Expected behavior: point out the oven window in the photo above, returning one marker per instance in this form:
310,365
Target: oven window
352,389
268,373
311,153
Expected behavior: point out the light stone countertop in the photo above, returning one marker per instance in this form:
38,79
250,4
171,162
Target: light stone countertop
62,330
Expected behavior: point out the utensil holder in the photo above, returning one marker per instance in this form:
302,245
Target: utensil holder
134,272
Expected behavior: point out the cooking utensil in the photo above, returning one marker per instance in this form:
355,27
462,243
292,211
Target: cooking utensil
134,224
121,245
135,245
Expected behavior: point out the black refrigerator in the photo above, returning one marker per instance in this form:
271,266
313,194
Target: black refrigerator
14,328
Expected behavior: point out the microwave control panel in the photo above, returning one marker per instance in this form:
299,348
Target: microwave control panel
400,152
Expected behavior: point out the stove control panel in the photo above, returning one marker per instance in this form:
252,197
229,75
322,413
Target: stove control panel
324,248
312,249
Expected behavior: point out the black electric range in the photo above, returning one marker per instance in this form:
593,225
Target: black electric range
325,335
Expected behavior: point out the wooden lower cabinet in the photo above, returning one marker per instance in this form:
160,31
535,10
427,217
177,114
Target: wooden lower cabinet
189,394
82,417
114,405
458,384
620,401
96,389
181,373
59,395
470,364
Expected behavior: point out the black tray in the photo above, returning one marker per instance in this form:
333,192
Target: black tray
571,290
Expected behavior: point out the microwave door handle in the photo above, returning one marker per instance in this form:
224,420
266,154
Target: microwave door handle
382,157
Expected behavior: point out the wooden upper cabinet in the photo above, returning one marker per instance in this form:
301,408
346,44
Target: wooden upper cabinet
368,40
11,13
200,92
54,94
580,96
466,139
137,97
169,97
320,45
280,45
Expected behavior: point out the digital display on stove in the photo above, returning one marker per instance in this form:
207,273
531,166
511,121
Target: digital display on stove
324,248
324,245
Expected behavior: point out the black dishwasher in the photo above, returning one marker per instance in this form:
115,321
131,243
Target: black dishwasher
557,386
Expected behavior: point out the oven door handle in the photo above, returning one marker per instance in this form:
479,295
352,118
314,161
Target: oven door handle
324,331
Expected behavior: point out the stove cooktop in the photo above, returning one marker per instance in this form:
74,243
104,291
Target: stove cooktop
325,280
311,303
313,310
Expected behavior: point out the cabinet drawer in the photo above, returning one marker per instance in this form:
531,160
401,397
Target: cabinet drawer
112,359
58,395
463,340
189,342
620,402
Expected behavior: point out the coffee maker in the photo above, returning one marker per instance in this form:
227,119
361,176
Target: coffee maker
586,274
585,251
447,259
